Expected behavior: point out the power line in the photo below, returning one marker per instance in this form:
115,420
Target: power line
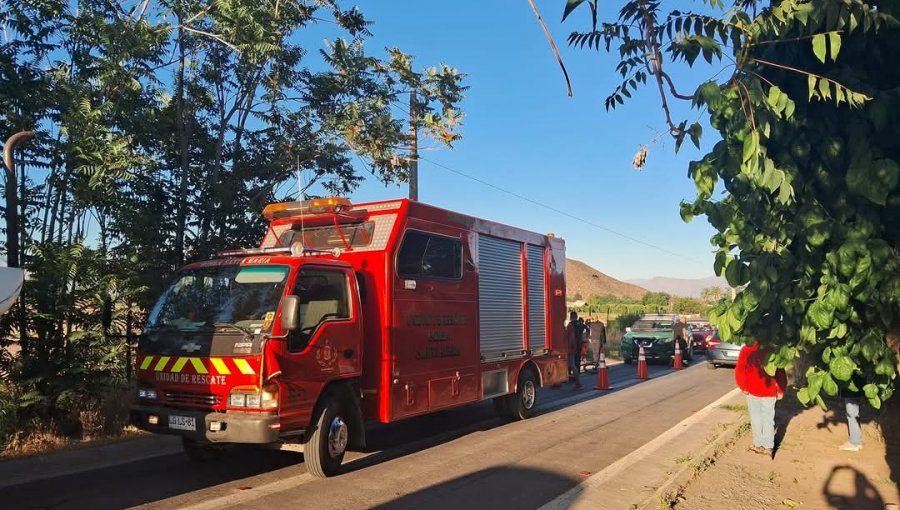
558,211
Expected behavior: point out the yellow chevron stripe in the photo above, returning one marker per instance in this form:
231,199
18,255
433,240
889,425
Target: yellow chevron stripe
244,367
198,365
146,363
161,364
220,366
179,365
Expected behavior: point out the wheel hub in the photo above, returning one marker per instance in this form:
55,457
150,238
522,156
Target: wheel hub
528,394
337,437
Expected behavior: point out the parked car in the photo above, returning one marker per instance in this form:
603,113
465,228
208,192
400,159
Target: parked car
720,353
656,332
700,332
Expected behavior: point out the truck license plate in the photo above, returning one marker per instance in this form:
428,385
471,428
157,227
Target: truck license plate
182,422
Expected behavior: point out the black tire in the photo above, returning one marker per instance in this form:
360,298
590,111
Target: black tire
690,354
324,451
627,361
200,452
524,401
710,365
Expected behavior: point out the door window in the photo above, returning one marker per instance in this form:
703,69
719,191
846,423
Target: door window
324,296
425,255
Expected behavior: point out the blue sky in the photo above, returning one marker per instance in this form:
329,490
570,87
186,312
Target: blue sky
524,136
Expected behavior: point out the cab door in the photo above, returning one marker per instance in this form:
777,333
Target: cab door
327,343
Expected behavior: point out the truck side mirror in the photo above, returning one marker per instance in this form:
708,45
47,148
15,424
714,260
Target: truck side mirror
290,306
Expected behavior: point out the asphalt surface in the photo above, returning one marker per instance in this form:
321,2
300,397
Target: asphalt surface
460,458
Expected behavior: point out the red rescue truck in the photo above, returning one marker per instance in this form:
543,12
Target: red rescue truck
352,313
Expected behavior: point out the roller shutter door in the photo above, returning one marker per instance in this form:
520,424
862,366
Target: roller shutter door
501,322
537,313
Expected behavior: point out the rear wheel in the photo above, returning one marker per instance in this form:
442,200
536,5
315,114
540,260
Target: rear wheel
524,401
324,452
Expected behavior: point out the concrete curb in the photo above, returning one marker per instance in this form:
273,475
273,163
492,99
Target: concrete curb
686,473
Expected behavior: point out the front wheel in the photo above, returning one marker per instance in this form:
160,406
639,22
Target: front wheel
324,452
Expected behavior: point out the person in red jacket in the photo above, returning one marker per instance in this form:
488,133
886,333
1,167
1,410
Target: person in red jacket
762,392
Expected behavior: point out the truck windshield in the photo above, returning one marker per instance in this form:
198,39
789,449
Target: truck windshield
241,298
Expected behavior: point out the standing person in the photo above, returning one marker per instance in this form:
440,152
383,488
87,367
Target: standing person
573,334
681,336
762,392
851,407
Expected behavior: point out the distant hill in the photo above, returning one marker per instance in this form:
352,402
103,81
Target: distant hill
584,280
687,287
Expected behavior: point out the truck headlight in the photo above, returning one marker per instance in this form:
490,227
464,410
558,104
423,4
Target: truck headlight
237,400
252,399
147,394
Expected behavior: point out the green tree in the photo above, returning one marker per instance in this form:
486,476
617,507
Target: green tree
163,127
657,299
809,218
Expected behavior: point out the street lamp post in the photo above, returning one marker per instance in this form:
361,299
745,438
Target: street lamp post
12,198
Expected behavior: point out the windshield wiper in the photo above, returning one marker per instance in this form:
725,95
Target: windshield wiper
246,331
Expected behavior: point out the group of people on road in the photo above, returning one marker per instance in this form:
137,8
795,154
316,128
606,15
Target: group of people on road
580,333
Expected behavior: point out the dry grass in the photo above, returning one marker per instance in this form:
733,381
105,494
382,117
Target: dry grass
44,442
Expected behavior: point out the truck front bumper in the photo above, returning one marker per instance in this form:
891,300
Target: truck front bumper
208,427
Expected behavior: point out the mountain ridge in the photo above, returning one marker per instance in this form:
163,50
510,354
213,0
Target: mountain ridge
585,281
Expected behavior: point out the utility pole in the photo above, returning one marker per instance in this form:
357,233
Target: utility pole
12,198
413,148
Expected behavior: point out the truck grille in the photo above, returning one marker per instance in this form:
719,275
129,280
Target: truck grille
197,399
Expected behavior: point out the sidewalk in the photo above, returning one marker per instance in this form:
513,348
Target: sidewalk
808,470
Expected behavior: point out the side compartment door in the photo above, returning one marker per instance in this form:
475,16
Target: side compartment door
326,344
434,319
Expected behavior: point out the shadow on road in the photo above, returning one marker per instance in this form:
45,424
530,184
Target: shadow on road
512,488
145,481
847,488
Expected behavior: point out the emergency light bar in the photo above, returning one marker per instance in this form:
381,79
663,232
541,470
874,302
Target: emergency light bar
331,205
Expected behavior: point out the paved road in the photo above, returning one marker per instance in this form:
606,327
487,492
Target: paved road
462,458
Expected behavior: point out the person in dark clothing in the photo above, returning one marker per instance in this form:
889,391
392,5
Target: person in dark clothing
574,340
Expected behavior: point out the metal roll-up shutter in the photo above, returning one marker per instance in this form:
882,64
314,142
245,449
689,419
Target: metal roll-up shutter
537,310
501,322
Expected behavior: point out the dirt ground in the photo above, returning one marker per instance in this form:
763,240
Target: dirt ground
808,470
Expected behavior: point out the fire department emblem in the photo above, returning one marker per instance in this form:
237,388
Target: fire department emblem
326,356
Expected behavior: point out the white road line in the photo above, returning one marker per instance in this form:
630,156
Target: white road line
568,498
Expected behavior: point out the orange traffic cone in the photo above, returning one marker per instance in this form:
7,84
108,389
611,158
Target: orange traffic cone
642,365
602,375
677,363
